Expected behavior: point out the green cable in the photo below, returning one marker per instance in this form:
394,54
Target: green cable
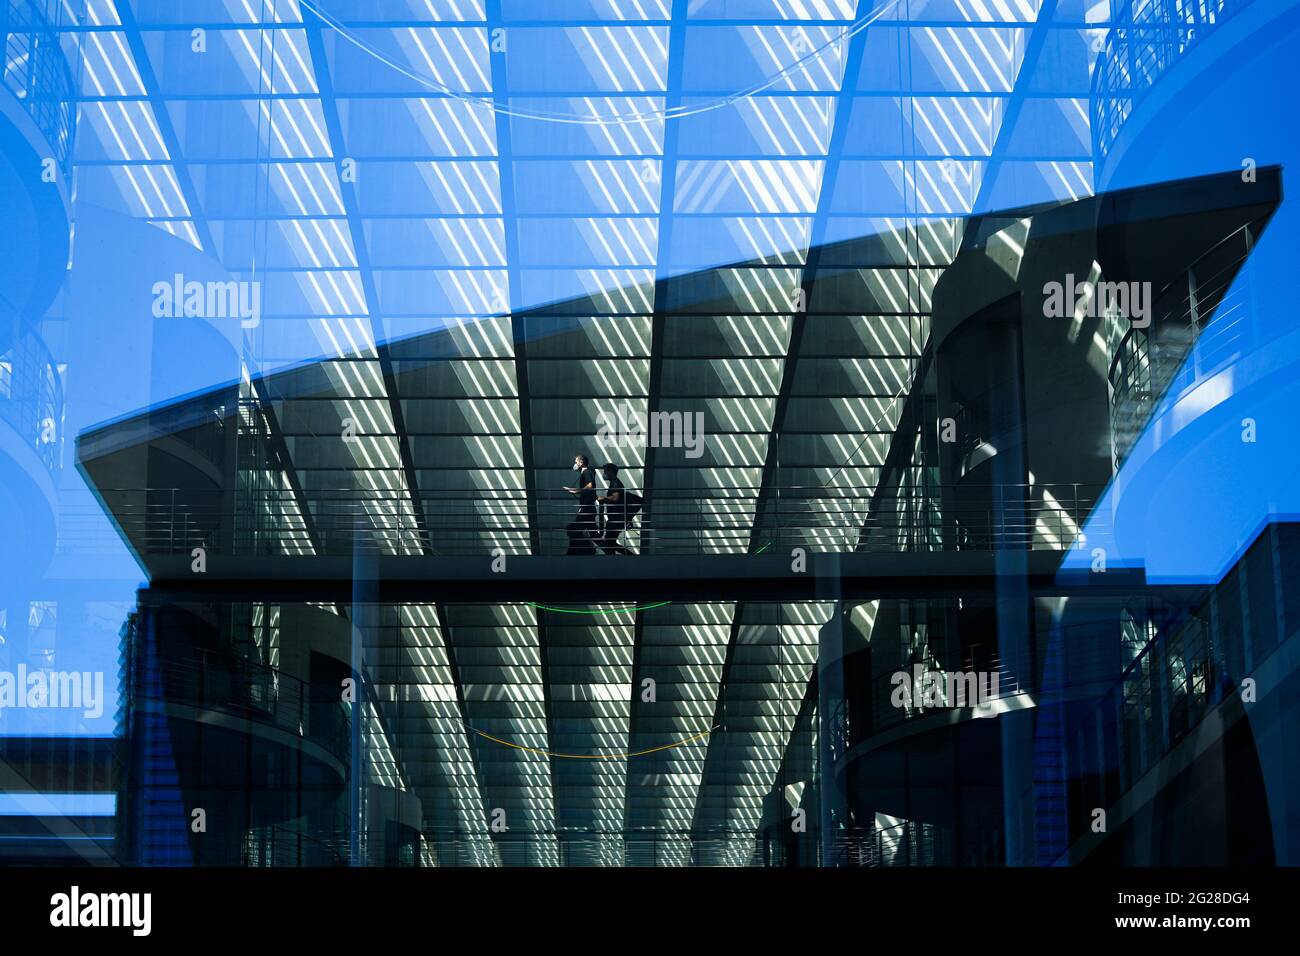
611,610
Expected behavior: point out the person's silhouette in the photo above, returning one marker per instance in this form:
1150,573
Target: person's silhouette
583,530
614,504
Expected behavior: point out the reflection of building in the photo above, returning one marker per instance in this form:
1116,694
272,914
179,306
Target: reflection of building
1036,424
1194,736
1130,705
56,790
225,717
36,135
37,121
707,701
1184,89
901,406
57,802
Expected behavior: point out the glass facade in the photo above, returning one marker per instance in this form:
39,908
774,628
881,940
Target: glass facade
890,329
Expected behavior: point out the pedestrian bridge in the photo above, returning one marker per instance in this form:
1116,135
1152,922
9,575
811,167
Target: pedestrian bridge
808,545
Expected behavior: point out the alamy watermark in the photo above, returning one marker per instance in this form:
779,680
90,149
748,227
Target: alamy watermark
45,689
923,688
625,427
1093,299
133,911
212,299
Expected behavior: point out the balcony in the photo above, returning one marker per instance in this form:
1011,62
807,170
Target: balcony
215,684
1202,311
31,398
31,424
37,74
1183,689
171,522
1141,50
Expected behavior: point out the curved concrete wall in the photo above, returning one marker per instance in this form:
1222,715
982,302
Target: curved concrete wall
33,256
1063,361
124,357
34,210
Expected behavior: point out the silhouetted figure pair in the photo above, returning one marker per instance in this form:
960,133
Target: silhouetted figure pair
586,534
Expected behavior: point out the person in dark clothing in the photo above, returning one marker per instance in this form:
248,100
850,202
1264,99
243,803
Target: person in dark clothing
583,530
614,504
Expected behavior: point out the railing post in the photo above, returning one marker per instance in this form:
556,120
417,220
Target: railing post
699,524
776,488
1076,516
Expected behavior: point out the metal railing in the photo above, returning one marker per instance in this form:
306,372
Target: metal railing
889,710
31,396
1176,681
244,688
1192,665
1067,660
1204,312
1147,40
292,845
952,689
905,843
968,517
37,73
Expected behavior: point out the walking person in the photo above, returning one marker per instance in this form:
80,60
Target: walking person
614,505
583,530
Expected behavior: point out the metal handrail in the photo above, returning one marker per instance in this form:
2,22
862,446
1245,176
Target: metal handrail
281,845
1191,665
1087,654
250,689
31,396
1216,287
885,715
38,74
1140,50
976,517
1212,331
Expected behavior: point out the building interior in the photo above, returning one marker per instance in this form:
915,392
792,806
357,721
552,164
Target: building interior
644,433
